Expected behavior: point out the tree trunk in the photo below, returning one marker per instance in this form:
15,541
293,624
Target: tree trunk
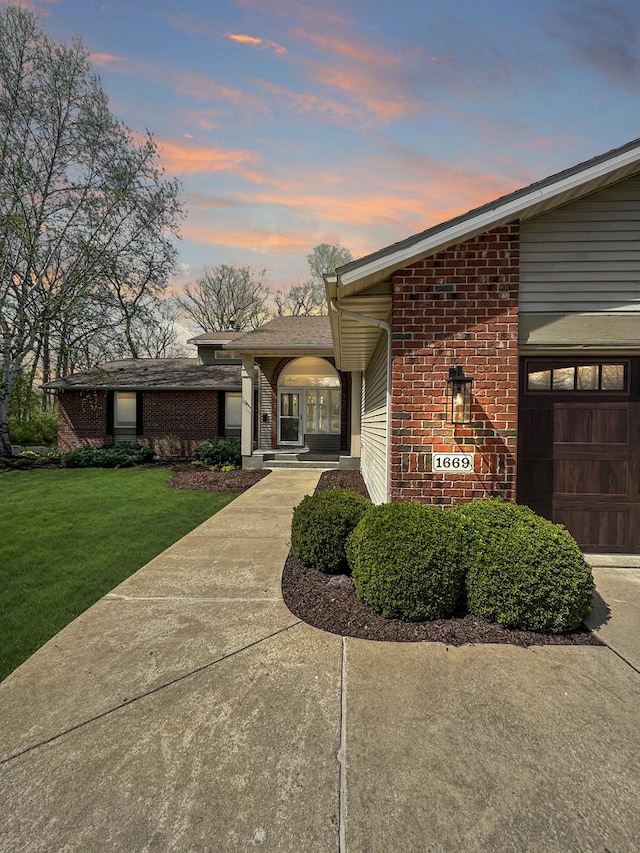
5,443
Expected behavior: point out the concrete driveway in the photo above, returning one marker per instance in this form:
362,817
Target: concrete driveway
189,710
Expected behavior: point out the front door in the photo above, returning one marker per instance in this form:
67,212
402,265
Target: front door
289,418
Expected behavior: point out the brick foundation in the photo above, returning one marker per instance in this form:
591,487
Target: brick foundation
457,307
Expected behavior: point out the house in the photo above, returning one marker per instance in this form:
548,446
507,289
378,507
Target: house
171,404
535,297
497,353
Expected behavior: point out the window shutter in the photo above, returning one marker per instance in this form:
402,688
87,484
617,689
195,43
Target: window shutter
109,413
139,421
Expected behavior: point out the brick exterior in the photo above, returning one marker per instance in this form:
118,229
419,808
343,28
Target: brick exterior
457,307
81,419
174,422
345,405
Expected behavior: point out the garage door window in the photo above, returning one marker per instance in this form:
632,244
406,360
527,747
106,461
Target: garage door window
576,377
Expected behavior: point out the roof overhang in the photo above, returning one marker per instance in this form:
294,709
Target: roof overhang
356,337
138,386
353,286
283,351
523,204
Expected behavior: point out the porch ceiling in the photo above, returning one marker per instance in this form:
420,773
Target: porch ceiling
355,340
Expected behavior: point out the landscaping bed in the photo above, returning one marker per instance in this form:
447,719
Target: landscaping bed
188,477
311,596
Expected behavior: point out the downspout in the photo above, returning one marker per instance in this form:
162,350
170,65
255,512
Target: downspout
381,324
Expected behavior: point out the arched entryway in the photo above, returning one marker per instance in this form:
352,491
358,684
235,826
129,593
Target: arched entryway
308,407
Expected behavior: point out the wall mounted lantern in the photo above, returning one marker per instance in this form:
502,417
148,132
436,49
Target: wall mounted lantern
459,396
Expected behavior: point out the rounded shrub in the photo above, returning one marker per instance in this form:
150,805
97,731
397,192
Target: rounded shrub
404,560
523,571
321,525
216,452
111,456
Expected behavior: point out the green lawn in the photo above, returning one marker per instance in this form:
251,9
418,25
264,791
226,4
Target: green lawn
69,536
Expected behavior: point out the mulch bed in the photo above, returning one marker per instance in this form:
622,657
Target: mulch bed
186,477
336,609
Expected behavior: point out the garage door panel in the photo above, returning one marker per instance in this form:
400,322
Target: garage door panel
576,423
597,529
592,478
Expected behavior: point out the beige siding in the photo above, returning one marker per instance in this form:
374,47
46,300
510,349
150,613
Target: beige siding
373,460
585,256
264,407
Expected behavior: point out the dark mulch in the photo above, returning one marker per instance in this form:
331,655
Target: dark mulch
336,609
186,477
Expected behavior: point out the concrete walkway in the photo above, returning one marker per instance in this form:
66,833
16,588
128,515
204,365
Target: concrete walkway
189,710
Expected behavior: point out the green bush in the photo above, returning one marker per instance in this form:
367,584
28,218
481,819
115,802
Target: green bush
523,571
404,559
110,456
216,452
321,525
40,428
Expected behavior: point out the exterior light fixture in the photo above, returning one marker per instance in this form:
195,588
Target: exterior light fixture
459,396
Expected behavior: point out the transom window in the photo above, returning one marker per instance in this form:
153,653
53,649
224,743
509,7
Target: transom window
586,376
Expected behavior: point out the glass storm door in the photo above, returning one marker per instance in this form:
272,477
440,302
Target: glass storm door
289,425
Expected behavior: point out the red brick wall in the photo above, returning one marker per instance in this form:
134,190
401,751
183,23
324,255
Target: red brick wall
81,419
457,307
174,422
191,416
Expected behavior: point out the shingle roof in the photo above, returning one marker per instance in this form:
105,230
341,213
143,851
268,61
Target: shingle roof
153,373
284,332
222,337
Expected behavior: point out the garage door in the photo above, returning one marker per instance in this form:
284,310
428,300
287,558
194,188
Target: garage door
579,452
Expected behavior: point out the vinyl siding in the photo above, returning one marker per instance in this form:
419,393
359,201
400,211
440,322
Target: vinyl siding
264,407
585,256
373,461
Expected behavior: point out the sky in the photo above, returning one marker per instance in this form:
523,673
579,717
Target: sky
360,122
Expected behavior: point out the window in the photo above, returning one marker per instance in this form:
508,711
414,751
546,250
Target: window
225,354
576,377
125,409
322,411
233,411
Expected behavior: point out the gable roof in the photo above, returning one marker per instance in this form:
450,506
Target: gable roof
162,374
532,200
364,286
287,333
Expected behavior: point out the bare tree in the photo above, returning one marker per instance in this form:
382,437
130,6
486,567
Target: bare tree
308,297
226,297
78,196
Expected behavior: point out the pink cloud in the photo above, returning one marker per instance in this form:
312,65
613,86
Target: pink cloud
246,237
254,41
186,159
188,83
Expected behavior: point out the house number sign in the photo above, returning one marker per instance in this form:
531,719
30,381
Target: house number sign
452,463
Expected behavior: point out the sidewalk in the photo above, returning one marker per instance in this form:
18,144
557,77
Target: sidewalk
189,710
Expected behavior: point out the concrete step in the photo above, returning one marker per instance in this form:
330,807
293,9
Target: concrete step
298,463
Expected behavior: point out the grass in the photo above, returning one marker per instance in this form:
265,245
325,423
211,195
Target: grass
67,537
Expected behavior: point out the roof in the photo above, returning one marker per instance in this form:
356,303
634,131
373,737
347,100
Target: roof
221,337
354,340
164,374
288,333
533,200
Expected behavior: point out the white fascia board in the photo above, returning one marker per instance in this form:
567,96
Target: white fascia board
509,209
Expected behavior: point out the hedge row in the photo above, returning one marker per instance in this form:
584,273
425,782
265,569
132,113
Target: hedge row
411,561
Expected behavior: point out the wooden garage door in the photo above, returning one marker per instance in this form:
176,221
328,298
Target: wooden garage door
579,465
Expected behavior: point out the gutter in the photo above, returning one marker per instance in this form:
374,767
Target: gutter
381,324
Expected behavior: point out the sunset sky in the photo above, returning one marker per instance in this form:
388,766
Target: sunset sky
359,122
